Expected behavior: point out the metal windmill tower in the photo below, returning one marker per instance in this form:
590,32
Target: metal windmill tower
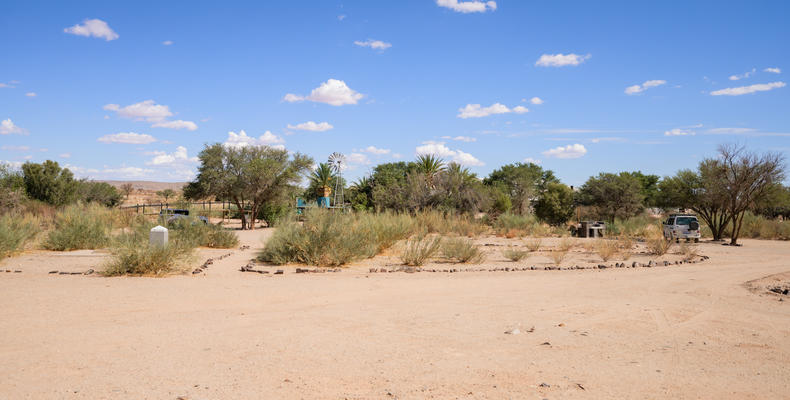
337,162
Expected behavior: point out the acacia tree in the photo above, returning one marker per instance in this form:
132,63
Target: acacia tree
248,175
614,195
746,178
167,193
127,189
555,205
521,182
49,183
698,191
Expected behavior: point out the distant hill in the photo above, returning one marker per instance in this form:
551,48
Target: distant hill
149,186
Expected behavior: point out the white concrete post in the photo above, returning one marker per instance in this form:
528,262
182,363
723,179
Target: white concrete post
158,236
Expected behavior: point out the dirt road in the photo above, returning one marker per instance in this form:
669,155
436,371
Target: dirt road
688,331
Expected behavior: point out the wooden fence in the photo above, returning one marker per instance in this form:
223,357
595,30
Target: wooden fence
223,207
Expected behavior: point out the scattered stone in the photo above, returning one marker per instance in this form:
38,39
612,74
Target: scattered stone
197,271
545,344
16,271
278,272
53,272
88,272
410,270
651,264
373,270
59,273
544,384
579,385
530,330
634,264
514,331
666,263
601,266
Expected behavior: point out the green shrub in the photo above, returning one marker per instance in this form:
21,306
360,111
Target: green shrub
80,227
462,250
514,254
195,233
15,231
533,244
638,226
508,222
388,227
420,249
135,257
447,223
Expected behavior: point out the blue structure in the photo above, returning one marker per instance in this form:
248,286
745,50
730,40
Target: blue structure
300,205
323,202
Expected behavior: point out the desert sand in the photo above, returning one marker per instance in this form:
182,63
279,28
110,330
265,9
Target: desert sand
705,330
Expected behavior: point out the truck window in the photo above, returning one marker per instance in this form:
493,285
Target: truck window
685,220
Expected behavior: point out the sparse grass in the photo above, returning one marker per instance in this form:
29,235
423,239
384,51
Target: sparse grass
606,248
135,257
566,244
689,251
438,222
388,227
514,254
80,227
626,246
638,226
534,244
15,231
759,227
557,256
523,224
197,234
462,250
656,243
420,249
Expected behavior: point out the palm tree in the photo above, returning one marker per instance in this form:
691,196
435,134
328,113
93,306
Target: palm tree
456,169
323,178
429,165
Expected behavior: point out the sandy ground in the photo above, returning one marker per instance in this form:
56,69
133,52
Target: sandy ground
702,330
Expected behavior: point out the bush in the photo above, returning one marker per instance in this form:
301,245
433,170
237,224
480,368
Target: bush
15,231
555,205
388,227
533,244
508,222
419,249
638,226
688,251
194,233
607,249
325,238
462,250
514,254
136,257
557,256
657,244
80,227
566,244
447,223
625,246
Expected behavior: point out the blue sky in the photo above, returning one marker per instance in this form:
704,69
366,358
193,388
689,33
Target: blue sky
134,90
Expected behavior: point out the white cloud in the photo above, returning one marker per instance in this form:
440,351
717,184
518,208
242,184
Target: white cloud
64,155
241,139
177,124
743,75
358,158
149,111
373,44
467,6
167,42
478,111
341,17
5,85
311,126
333,92
679,132
8,127
128,138
15,148
31,94
561,60
531,160
646,85
440,150
467,139
536,100
93,27
737,91
13,164
178,156
570,151
397,156
375,150
731,131
773,70
124,172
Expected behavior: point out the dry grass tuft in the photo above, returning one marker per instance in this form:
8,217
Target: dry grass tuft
558,255
420,249
533,244
462,250
607,248
514,254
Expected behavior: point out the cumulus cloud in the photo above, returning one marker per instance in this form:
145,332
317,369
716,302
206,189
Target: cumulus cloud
64,155
467,139
570,151
466,7
741,90
646,85
743,75
7,127
15,148
311,126
128,138
679,132
773,70
375,150
531,160
167,42
358,158
333,92
31,94
177,124
440,150
731,131
536,100
373,44
478,111
176,157
153,113
93,27
561,60
241,139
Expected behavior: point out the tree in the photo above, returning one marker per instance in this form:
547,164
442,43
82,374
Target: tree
49,183
614,195
522,182
360,194
555,205
127,189
458,190
776,203
99,192
167,193
746,178
388,185
248,176
649,187
429,165
699,192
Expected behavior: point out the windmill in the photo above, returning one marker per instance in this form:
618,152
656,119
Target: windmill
337,162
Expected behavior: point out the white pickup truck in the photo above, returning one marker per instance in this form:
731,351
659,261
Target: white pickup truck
682,226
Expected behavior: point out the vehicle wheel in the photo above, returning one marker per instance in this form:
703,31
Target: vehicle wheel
696,240
677,240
